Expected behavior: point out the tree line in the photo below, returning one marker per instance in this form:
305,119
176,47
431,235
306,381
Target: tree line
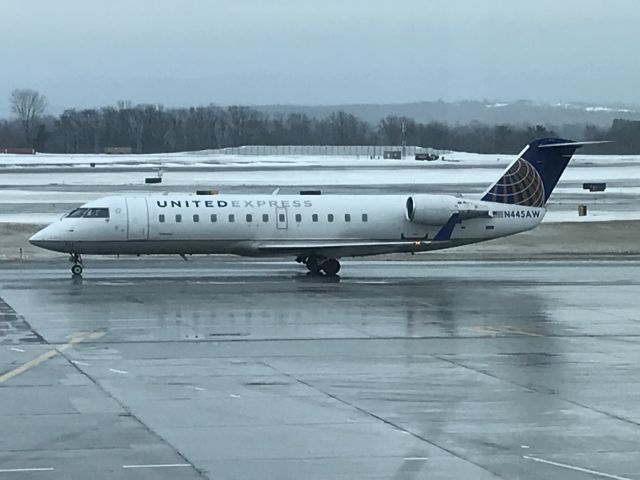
156,129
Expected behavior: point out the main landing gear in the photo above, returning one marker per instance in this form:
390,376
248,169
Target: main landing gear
78,266
315,264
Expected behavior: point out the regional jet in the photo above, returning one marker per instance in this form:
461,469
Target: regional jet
316,230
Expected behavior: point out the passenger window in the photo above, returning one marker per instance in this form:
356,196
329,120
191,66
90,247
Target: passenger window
347,217
161,218
232,218
365,217
196,218
281,217
298,217
330,217
214,218
314,217
178,218
249,218
265,217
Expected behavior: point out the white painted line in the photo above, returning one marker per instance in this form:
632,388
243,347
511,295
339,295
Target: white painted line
115,370
575,468
416,458
233,395
16,349
200,389
525,446
15,470
158,465
82,364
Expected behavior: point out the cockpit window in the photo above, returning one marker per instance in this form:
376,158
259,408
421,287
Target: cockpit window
97,213
89,213
78,212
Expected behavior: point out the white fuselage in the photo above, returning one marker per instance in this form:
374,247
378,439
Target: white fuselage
268,225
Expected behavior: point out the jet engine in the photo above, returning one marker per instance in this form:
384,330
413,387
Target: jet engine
430,209
437,209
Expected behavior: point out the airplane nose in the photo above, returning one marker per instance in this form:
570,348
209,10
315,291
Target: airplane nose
49,238
37,238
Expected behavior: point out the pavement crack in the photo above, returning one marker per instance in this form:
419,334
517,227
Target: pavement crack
127,411
538,389
381,419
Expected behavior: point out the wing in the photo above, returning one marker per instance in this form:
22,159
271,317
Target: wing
346,248
350,248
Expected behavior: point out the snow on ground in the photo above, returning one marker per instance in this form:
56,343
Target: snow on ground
565,216
29,218
209,159
12,196
292,177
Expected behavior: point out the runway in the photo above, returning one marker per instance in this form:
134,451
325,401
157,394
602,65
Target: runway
242,369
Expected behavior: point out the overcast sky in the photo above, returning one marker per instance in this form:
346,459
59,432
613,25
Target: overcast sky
181,52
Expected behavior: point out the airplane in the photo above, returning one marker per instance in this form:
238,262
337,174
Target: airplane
316,230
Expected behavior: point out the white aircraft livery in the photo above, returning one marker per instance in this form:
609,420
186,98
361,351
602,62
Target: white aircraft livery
318,230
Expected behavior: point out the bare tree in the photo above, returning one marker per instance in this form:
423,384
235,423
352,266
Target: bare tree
28,105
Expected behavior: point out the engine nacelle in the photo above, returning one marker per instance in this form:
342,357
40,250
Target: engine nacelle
431,209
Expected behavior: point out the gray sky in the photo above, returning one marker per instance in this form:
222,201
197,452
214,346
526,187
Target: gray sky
182,52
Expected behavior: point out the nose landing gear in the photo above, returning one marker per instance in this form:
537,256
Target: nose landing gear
78,266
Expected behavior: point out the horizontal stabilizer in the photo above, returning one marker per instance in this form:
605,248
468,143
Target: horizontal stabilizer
573,144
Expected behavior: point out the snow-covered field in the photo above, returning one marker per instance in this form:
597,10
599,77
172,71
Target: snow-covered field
253,176
210,159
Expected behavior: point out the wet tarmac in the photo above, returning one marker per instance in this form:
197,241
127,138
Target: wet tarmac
236,369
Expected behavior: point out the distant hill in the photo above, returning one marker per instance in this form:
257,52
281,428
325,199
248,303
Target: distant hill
465,112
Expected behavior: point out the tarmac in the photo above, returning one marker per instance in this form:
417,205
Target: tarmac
242,369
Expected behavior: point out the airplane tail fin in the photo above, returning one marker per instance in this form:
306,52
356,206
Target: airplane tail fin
530,180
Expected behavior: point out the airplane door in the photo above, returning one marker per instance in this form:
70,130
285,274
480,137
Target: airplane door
137,218
282,220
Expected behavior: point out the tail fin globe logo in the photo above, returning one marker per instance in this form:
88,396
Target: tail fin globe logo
520,185
530,180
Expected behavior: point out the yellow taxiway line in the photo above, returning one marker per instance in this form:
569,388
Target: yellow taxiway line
74,339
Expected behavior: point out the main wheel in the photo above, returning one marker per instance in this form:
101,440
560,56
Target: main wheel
331,267
76,270
313,264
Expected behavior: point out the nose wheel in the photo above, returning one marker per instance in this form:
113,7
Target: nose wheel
77,267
